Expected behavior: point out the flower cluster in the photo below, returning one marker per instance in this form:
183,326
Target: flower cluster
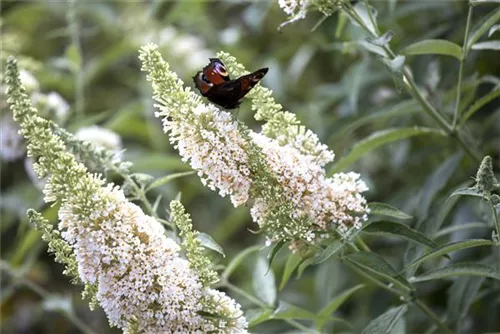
315,198
297,9
205,136
121,254
51,104
291,6
279,171
112,245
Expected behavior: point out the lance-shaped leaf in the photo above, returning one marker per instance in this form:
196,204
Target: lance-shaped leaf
386,322
386,210
375,264
452,247
434,46
399,230
459,269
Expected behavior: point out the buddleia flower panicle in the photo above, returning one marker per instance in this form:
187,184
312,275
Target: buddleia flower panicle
11,142
122,255
486,182
191,245
284,178
296,157
206,137
317,201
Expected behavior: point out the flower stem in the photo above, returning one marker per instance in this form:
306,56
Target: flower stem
362,244
433,316
465,50
497,223
74,28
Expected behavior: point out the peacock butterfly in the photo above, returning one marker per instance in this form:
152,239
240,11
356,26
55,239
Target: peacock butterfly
214,83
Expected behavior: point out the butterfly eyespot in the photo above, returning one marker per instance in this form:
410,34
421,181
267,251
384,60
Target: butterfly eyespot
204,78
221,69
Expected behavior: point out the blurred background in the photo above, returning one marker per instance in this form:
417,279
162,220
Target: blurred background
80,62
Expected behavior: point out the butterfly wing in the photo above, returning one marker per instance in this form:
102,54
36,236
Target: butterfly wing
216,72
213,74
230,94
215,84
201,82
248,81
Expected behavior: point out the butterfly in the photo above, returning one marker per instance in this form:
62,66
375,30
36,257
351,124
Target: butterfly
214,83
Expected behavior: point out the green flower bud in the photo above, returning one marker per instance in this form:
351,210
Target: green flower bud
485,179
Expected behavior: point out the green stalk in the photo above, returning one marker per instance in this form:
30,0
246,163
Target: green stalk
74,28
465,50
433,316
497,223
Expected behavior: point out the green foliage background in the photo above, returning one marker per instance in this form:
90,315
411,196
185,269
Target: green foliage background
87,52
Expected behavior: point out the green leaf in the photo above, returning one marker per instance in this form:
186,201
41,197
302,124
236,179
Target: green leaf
333,306
257,316
373,48
73,55
481,2
395,65
452,247
488,45
290,266
479,103
362,12
428,227
461,295
235,263
493,29
434,46
167,178
435,182
207,242
468,191
322,256
341,24
482,27
289,311
375,264
460,227
382,40
386,322
378,139
383,209
399,230
459,269
274,250
263,281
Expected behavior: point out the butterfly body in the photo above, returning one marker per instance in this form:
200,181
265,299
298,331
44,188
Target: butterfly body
215,84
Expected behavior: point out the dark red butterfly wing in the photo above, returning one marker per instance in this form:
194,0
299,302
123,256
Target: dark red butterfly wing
216,72
214,83
201,82
213,74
